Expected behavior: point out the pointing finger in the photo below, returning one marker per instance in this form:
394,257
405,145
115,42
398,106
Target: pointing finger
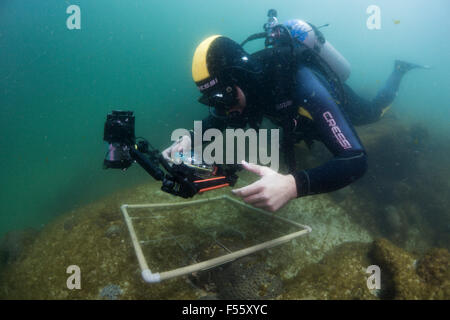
248,190
257,169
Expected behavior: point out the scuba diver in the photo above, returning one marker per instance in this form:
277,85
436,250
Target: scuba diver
297,82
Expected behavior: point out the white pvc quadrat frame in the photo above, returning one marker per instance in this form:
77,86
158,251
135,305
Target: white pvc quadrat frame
156,277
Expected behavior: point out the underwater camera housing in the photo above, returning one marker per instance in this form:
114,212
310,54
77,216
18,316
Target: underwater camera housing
182,178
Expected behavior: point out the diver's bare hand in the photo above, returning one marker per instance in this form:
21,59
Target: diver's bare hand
271,192
182,144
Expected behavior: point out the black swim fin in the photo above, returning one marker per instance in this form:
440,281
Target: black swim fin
404,66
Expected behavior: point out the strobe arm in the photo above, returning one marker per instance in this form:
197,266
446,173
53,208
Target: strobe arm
151,168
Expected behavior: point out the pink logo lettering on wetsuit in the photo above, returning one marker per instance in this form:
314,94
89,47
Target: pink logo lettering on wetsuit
336,130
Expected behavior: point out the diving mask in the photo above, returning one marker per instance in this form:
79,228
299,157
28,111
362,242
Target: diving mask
225,98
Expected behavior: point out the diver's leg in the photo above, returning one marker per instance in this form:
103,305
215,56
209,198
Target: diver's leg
361,111
358,110
388,93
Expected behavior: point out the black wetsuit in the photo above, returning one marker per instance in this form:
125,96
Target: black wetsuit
308,107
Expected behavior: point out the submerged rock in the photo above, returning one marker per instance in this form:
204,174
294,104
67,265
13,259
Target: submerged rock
434,267
341,274
400,277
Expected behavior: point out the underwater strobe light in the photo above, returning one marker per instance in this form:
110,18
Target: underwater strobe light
119,135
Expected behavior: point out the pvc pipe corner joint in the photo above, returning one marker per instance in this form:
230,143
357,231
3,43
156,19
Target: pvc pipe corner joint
150,277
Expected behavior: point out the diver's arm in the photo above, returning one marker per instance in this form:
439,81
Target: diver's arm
350,161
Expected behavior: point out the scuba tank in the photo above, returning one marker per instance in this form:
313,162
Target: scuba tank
310,36
297,33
